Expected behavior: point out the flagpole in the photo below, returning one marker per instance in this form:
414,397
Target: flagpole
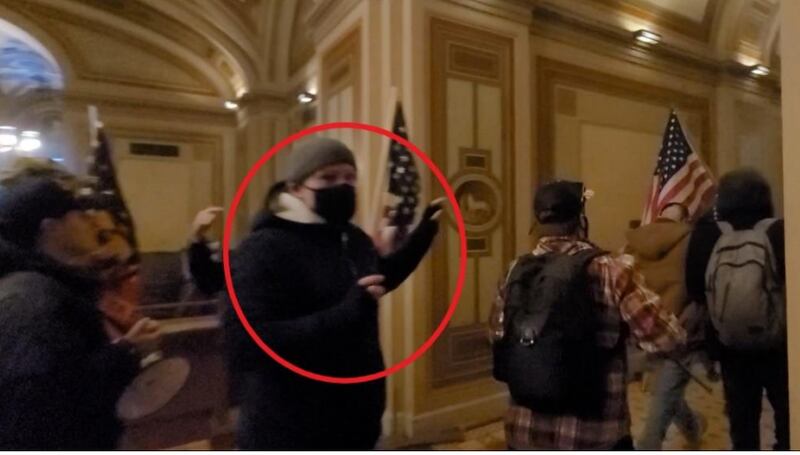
93,125
378,196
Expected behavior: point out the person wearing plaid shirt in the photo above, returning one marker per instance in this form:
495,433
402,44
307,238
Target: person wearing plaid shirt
627,307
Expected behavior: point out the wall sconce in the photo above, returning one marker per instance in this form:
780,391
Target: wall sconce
306,97
647,37
231,105
759,70
25,142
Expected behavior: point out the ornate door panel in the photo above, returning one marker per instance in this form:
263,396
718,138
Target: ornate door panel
472,142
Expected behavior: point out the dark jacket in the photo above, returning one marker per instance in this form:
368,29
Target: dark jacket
296,284
207,273
701,247
60,377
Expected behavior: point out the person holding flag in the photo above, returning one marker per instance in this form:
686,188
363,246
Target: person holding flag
159,379
62,373
683,189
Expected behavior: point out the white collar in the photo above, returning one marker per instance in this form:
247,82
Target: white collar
294,209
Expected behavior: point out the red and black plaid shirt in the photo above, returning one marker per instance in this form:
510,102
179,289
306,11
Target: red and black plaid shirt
626,300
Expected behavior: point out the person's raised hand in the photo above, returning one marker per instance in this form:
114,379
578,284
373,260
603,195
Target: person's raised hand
372,284
434,210
203,221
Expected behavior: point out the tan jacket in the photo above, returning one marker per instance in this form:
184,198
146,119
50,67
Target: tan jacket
660,251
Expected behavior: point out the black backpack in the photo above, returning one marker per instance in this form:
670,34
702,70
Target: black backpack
549,355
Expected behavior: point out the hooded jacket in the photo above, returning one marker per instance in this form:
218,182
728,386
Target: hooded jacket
60,377
660,251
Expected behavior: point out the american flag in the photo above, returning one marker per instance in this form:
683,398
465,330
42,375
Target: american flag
403,180
106,190
680,177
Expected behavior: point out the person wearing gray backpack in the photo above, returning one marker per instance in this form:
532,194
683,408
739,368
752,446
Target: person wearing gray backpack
736,266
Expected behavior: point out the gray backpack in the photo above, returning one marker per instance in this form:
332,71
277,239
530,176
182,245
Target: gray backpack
746,299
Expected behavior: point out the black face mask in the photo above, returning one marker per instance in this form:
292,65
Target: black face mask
337,204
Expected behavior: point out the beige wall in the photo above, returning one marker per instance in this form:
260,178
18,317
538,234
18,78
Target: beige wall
758,143
603,140
790,15
163,193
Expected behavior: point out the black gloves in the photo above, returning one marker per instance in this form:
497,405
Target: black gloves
434,210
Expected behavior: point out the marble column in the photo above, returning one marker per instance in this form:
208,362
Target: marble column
262,122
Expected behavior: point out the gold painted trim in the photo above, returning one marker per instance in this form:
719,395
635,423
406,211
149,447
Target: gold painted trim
466,152
154,110
442,34
618,44
346,52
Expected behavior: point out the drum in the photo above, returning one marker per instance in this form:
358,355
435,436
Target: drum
155,386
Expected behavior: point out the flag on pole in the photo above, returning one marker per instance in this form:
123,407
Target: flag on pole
106,188
680,177
121,295
403,179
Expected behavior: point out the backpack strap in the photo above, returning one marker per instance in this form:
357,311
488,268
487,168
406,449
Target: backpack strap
585,257
725,227
531,325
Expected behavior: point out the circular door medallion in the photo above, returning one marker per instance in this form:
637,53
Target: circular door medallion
480,201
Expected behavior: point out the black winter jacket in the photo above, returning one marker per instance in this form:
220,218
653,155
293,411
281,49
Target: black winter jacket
60,377
296,284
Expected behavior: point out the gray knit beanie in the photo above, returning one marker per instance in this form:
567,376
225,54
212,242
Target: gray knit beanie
314,154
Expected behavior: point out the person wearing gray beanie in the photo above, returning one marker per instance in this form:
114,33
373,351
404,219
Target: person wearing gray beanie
314,154
322,174
309,282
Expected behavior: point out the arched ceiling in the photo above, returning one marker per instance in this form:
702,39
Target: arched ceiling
25,65
723,30
229,46
226,48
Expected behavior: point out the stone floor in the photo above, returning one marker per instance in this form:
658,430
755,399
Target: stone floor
491,437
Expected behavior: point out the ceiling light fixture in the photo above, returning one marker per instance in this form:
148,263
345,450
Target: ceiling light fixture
306,97
759,70
27,141
647,37
8,137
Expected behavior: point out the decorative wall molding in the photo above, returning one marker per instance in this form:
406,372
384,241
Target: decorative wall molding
667,19
515,10
261,100
326,15
341,68
482,59
152,109
556,24
551,74
178,45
